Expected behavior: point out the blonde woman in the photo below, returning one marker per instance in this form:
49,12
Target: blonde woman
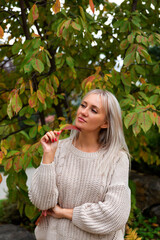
82,181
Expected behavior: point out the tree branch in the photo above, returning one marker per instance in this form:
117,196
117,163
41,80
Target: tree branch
12,133
134,5
24,20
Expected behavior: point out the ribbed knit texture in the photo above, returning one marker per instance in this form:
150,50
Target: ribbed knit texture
101,203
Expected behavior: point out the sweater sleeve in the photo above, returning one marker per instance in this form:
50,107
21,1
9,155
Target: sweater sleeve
112,214
43,191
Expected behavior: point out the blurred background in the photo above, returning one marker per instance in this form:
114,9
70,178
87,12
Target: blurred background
51,54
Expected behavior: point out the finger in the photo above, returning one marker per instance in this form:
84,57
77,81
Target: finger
45,138
51,136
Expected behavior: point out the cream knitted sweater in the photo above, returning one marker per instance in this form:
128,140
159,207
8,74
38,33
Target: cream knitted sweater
101,204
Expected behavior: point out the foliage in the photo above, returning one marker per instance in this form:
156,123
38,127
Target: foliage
53,54
9,214
146,228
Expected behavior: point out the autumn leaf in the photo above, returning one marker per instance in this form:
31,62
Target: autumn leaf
0,178
33,14
130,119
56,7
41,96
37,65
69,127
1,32
35,35
76,26
18,164
16,103
91,5
33,100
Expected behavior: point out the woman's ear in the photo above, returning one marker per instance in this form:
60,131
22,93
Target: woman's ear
105,125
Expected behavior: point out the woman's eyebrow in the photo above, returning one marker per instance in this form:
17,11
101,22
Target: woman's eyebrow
92,105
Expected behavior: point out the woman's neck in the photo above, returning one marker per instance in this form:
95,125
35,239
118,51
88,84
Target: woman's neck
87,142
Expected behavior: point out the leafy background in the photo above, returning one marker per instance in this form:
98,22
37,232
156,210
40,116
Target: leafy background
53,54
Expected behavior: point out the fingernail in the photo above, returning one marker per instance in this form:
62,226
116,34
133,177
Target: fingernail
52,140
55,139
58,133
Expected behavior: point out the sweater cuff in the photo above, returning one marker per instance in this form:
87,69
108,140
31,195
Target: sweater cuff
76,216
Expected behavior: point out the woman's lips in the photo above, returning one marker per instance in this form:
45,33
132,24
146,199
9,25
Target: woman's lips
81,119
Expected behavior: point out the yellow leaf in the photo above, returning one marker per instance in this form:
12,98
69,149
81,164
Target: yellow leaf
4,150
39,128
31,88
1,32
56,7
42,48
109,75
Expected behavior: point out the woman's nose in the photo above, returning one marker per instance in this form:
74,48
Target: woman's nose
85,111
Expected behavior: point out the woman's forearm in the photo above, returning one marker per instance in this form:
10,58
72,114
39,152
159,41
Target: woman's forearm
68,213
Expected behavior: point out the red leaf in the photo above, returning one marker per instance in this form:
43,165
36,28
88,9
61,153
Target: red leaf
0,178
91,5
69,127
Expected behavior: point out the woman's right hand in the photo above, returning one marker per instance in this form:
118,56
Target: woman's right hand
50,141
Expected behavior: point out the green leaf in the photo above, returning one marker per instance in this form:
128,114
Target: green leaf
37,65
143,95
130,119
138,57
154,99
124,27
41,96
33,100
28,67
33,14
145,41
16,47
126,79
33,132
129,59
144,121
139,38
124,44
136,128
70,61
16,103
156,68
146,55
76,26
131,38
30,211
135,22
29,122
140,70
22,179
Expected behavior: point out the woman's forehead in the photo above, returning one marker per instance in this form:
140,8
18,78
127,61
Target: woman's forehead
93,99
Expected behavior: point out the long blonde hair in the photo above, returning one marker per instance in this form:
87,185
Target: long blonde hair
111,139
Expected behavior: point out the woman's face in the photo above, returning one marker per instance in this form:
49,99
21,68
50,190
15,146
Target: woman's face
91,114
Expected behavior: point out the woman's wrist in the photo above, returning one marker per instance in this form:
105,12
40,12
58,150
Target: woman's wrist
48,157
68,213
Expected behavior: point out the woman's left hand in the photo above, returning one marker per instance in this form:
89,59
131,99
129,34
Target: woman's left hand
56,212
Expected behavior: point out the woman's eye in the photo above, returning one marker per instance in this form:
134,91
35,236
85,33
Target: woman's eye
82,105
94,111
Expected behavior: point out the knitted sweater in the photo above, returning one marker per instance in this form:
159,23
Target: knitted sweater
101,204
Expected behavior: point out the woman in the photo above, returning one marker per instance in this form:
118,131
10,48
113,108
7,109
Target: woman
82,181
